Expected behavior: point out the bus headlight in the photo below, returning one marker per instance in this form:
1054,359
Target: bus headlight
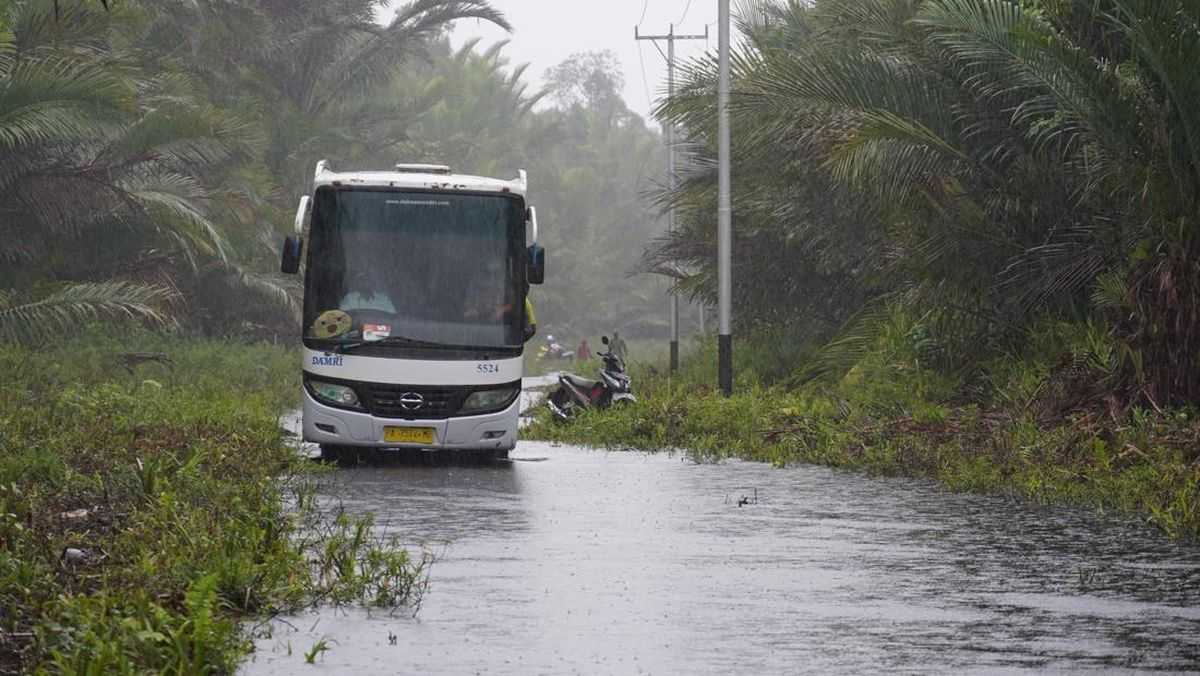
338,395
490,400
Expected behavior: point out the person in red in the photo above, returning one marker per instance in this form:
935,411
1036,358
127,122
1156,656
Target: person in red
584,353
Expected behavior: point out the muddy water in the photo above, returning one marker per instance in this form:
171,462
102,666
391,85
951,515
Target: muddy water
566,560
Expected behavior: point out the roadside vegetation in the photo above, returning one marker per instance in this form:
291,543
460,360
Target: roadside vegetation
989,170
1039,428
150,504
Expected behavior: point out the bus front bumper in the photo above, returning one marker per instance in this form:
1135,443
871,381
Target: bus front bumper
333,426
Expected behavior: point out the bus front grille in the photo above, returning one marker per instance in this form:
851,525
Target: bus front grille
413,403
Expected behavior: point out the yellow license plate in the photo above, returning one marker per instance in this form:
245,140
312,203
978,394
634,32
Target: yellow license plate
408,435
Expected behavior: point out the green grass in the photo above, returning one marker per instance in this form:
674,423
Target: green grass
184,509
319,648
890,415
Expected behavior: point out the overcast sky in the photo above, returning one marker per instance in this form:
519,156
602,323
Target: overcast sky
546,32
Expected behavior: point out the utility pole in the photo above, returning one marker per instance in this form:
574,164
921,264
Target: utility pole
672,178
724,209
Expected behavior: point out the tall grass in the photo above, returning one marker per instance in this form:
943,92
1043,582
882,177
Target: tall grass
148,506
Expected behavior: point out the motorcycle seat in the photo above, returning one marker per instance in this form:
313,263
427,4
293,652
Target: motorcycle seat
581,383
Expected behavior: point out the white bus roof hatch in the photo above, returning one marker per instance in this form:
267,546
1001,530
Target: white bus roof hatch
405,176
423,169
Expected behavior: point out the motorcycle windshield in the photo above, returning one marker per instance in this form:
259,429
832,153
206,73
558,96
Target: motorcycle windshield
438,269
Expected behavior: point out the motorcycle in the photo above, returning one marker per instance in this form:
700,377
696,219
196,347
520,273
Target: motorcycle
575,393
554,350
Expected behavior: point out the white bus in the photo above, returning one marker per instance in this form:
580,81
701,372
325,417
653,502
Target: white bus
415,283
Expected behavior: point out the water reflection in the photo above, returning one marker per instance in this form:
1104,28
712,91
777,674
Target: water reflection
437,504
597,562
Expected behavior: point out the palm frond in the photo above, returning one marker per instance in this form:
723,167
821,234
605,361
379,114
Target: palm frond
64,312
56,100
173,204
284,294
368,57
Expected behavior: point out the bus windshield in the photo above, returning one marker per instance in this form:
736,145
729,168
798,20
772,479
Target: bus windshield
440,268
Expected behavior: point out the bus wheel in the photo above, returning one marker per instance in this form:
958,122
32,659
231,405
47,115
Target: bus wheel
343,456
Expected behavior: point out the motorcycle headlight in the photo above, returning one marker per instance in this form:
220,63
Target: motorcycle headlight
337,395
490,400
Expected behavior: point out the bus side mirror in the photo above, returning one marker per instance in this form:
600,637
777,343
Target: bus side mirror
535,264
292,247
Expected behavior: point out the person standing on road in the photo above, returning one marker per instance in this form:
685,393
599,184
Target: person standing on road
584,353
618,346
530,320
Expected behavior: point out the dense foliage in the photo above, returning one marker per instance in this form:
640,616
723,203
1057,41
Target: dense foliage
154,150
988,167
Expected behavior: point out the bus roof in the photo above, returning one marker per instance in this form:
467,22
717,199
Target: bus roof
412,178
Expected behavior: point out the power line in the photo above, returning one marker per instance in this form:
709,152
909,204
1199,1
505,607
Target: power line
686,9
644,8
645,80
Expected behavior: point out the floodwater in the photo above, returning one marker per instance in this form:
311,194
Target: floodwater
566,560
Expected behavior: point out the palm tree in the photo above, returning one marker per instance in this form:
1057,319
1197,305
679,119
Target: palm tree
314,66
51,104
807,247
1016,157
132,163
465,108
102,165
317,79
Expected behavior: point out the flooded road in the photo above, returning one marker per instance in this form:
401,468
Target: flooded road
566,560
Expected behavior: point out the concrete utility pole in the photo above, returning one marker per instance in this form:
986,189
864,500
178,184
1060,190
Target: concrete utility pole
672,179
724,209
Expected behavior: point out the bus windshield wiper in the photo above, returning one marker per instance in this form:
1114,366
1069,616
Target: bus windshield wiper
406,342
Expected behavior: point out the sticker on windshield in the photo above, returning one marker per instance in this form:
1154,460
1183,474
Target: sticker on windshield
419,203
374,332
331,324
